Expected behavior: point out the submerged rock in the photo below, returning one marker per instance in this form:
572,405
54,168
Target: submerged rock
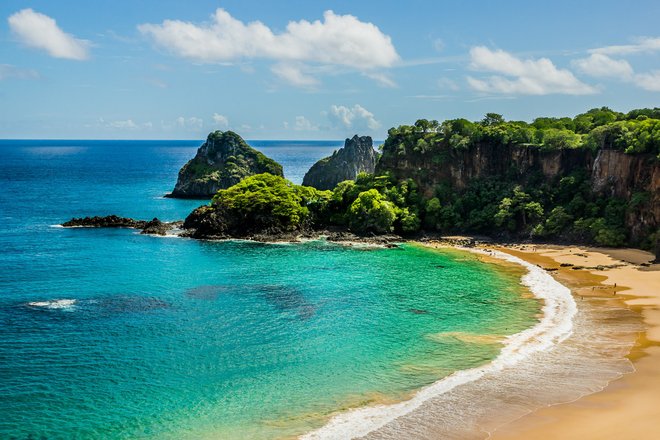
357,156
222,161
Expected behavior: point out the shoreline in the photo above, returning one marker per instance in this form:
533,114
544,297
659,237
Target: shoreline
627,406
385,421
606,329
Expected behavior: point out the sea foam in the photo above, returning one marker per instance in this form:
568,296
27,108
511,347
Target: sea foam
556,325
61,304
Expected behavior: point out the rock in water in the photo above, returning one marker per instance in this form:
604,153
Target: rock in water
222,161
156,227
108,221
358,155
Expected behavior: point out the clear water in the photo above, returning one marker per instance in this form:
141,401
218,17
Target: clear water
111,334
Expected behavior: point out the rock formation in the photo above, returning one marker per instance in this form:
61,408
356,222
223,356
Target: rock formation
222,161
152,227
356,156
611,172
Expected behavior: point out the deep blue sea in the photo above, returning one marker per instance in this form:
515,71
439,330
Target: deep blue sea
108,334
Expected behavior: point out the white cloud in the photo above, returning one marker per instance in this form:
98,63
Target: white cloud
643,45
220,120
293,75
304,124
127,124
8,71
41,32
600,65
527,77
382,79
192,122
648,81
339,40
356,117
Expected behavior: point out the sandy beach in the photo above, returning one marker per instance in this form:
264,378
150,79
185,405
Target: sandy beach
628,408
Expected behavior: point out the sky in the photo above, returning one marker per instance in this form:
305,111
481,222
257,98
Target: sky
166,69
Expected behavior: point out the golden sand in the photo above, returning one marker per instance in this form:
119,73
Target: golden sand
628,408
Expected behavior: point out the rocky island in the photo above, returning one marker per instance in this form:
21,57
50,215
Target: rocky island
357,156
222,161
592,179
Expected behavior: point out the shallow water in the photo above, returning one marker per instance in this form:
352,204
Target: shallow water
111,334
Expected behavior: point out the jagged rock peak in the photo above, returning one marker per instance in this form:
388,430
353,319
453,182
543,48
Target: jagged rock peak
222,161
357,155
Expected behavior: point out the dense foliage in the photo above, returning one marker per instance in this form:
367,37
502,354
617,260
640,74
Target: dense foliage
637,131
263,203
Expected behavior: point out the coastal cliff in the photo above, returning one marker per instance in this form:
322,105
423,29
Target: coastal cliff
357,156
610,173
222,161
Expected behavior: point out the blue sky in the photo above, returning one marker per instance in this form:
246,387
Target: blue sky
314,69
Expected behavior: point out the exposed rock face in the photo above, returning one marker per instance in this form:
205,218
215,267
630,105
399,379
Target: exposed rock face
222,161
356,156
153,227
613,173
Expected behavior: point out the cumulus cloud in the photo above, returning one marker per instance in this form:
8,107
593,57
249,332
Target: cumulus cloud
127,124
303,124
42,32
356,117
8,71
294,75
600,65
220,120
642,45
517,76
648,81
339,40
192,122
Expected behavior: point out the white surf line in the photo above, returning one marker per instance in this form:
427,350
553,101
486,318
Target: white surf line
555,326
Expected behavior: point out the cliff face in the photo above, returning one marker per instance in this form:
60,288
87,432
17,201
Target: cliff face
635,178
222,161
356,156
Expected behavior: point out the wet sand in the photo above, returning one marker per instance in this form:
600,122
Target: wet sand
628,408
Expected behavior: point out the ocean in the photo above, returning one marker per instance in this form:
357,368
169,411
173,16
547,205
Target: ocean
109,334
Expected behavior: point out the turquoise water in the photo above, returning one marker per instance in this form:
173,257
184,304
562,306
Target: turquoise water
111,334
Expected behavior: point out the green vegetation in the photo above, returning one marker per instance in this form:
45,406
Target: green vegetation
637,131
263,203
409,192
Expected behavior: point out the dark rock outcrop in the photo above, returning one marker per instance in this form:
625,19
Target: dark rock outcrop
153,227
108,221
357,155
222,161
156,227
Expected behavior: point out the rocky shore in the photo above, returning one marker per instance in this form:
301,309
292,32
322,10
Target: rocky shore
178,228
153,227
